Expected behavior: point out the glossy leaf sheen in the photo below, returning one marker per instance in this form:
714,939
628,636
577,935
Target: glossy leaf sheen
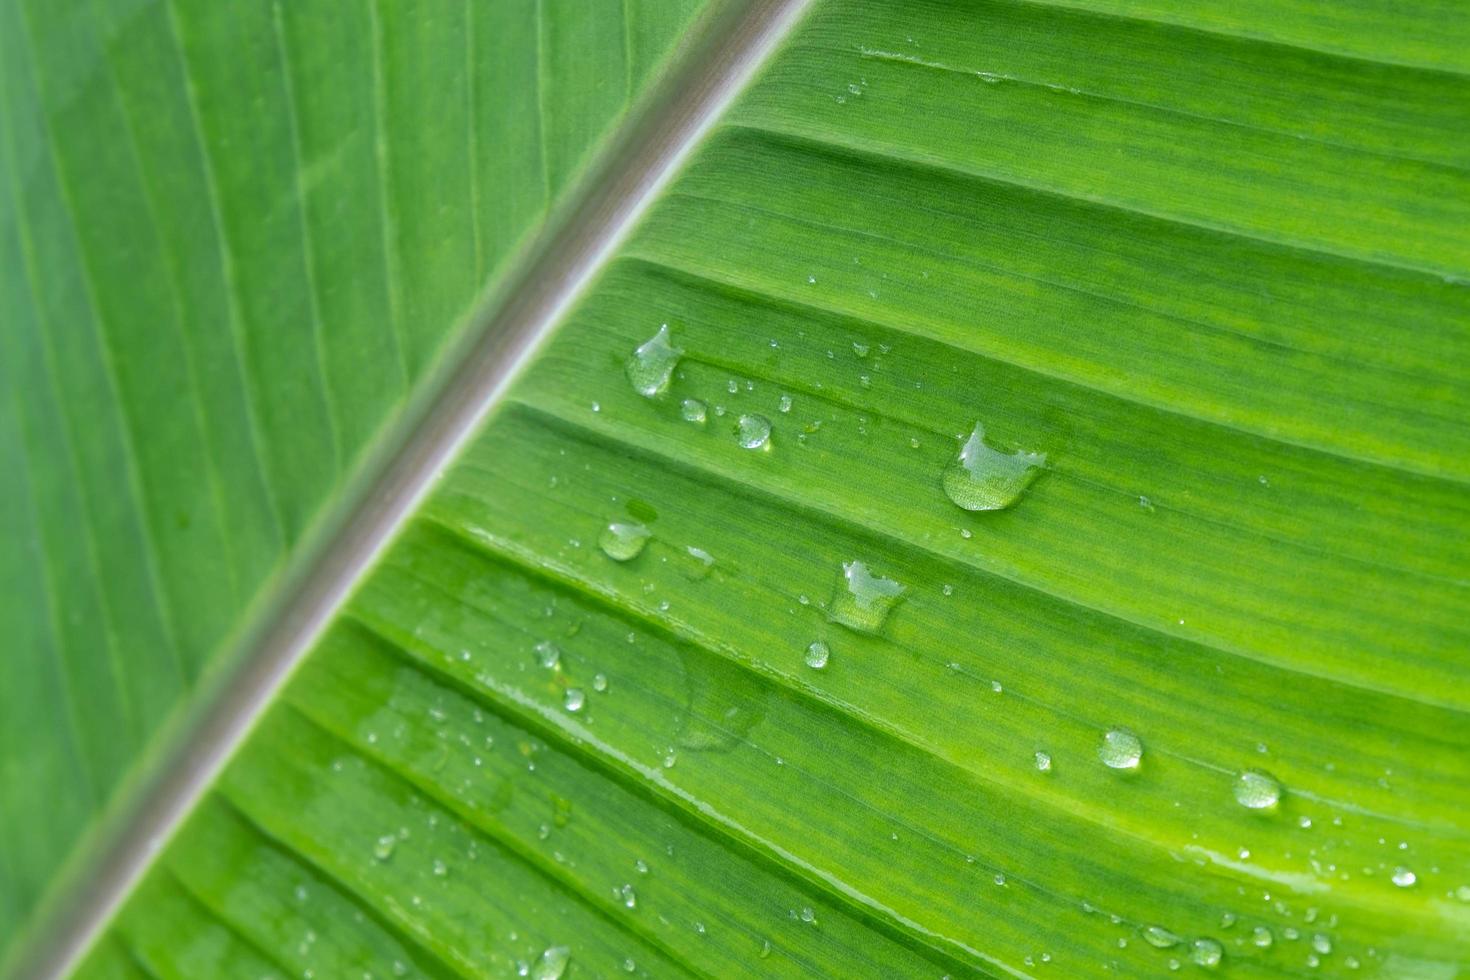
1211,266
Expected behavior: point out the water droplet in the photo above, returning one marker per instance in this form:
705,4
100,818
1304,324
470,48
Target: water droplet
753,431
1262,937
574,699
1120,749
981,478
765,950
1256,790
652,364
553,963
670,757
629,966
1403,877
860,349
1043,762
1159,937
785,404
383,847
599,683
440,868
548,654
640,866
630,900
1206,953
623,541
1322,943
997,687
693,410
817,654
863,600
807,915
701,564
1463,893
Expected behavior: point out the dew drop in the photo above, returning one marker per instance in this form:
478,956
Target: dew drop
1206,953
701,565
863,600
630,900
1159,937
1256,790
440,868
817,654
1322,943
651,365
548,654
753,431
1261,936
1043,762
693,410
623,541
784,405
981,478
1120,749
574,699
1403,877
599,683
383,847
553,963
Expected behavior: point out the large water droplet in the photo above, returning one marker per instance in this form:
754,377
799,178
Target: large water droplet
651,365
863,600
1403,877
574,699
623,541
553,963
1257,790
817,654
753,431
1120,749
1206,953
981,478
1159,937
1261,936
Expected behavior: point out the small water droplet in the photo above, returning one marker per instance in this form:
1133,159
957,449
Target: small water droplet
753,431
383,847
574,699
860,349
1256,790
1463,893
440,868
670,757
981,478
765,950
703,562
817,654
640,866
629,966
1120,749
807,915
997,687
863,600
623,541
1159,937
1206,953
1043,762
785,404
1403,877
548,654
693,410
651,365
553,963
599,683
1261,936
630,900
1322,943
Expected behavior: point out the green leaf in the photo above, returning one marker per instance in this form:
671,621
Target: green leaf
233,240
1181,292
